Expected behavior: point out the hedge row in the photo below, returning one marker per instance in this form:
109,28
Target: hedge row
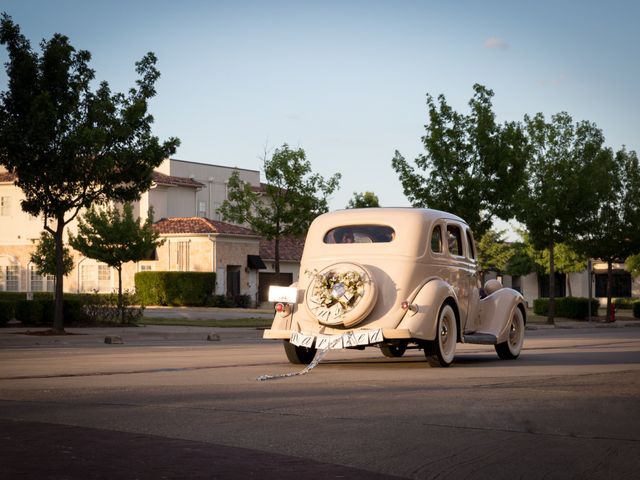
7,311
567,307
40,311
175,288
624,303
78,309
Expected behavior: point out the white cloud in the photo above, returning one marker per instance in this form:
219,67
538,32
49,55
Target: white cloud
495,42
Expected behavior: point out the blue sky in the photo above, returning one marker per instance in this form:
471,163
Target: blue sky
346,80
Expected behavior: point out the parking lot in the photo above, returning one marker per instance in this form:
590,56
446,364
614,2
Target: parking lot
167,402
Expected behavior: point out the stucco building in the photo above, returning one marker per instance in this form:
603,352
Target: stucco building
184,196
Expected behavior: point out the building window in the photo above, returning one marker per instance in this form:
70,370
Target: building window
202,208
560,280
95,278
146,268
11,278
5,206
620,285
40,283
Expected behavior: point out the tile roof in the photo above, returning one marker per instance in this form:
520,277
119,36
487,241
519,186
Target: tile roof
162,179
262,188
290,249
199,225
7,177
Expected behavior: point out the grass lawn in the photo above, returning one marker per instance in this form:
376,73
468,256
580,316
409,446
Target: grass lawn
249,322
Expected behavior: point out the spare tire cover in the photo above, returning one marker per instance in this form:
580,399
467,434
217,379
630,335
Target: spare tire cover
342,294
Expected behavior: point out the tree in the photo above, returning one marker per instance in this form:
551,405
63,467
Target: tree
44,258
293,196
614,226
564,174
114,237
493,253
363,200
473,165
71,147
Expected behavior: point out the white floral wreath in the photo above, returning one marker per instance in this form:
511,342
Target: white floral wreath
344,288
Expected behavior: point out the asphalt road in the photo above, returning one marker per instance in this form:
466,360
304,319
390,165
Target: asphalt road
182,407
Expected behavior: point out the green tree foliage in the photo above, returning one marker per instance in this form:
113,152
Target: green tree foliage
363,200
494,252
522,261
293,196
564,173
614,226
633,265
473,165
566,260
44,258
114,237
69,146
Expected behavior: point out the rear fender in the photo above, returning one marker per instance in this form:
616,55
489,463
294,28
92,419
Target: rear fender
496,311
422,318
282,320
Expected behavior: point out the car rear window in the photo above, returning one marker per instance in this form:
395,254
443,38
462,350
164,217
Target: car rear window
360,234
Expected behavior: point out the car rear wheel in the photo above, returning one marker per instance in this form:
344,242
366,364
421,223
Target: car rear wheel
299,355
511,349
440,351
393,350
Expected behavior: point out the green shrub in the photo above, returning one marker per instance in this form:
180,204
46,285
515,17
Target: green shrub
226,301
242,301
174,288
101,309
17,296
567,307
221,301
74,310
623,303
636,309
30,312
7,311
40,311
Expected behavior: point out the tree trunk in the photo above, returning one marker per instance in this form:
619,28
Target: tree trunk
552,285
58,314
277,253
609,284
568,275
120,303
276,245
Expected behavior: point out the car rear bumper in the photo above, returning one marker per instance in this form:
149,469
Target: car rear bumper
350,338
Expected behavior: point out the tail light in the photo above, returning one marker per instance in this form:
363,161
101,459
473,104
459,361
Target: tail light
412,307
283,309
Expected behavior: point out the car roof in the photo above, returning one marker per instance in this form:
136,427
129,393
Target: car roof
393,216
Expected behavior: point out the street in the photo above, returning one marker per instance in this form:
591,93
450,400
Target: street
181,407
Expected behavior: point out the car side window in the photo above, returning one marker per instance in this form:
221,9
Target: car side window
454,240
436,239
472,253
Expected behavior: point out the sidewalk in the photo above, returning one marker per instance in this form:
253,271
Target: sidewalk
624,318
18,336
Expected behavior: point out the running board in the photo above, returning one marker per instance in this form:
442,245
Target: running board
481,338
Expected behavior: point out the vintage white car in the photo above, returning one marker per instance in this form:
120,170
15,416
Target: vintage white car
394,278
